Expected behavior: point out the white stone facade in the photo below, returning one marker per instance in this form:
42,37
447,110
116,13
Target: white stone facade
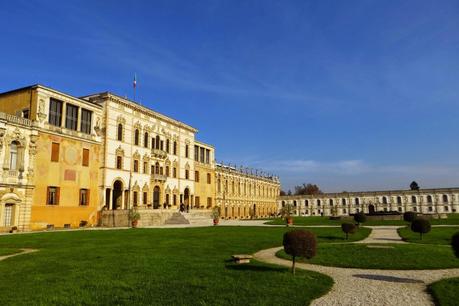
426,201
153,173
17,151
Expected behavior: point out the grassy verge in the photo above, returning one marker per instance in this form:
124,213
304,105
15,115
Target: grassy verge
396,257
8,251
453,219
438,235
155,267
445,291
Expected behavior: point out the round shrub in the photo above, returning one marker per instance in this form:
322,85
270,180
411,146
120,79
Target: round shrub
300,243
360,218
409,216
455,244
348,228
421,226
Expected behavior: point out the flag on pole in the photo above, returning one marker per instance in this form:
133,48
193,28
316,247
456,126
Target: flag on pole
135,81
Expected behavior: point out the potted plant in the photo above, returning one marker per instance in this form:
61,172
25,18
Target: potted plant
134,216
215,215
286,212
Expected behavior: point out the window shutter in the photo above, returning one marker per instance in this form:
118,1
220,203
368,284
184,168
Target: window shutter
58,193
47,195
55,152
85,157
87,197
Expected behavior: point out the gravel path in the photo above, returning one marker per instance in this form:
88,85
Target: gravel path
369,286
383,234
24,251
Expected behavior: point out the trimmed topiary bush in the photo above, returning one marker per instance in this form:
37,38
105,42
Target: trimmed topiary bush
300,243
455,244
360,218
409,216
348,228
421,226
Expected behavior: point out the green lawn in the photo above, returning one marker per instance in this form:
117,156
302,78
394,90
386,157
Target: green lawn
438,235
397,257
445,291
156,267
8,251
453,219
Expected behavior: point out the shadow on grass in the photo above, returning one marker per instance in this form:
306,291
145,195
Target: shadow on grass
331,238
255,268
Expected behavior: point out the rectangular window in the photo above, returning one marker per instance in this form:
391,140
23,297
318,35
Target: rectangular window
167,146
196,176
186,151
201,155
152,142
196,201
209,178
52,195
136,166
25,113
85,157
119,162
86,116
174,172
196,153
54,152
167,171
145,198
207,156
187,174
145,167
162,145
55,112
209,202
84,197
175,148
175,199
167,198
71,117
136,195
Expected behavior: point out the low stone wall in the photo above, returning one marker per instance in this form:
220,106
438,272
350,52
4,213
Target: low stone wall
148,217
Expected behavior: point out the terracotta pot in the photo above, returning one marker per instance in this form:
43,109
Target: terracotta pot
216,221
134,223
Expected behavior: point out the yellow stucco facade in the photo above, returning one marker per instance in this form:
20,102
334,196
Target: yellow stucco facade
204,178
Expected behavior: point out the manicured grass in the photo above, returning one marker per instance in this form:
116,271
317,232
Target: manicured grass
398,257
8,251
445,291
155,267
437,235
453,219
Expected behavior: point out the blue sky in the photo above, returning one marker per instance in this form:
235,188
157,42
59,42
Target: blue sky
350,95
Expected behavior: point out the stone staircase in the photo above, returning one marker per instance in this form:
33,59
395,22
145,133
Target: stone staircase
177,218
199,217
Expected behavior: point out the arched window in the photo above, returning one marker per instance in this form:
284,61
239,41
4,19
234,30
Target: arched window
384,200
145,140
413,199
357,201
343,201
14,155
429,199
330,202
294,203
445,198
306,202
136,137
157,142
318,202
120,132
167,146
175,148
399,200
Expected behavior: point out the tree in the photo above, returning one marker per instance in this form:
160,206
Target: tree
414,185
282,193
409,216
289,192
348,228
455,244
421,226
300,243
307,189
360,218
